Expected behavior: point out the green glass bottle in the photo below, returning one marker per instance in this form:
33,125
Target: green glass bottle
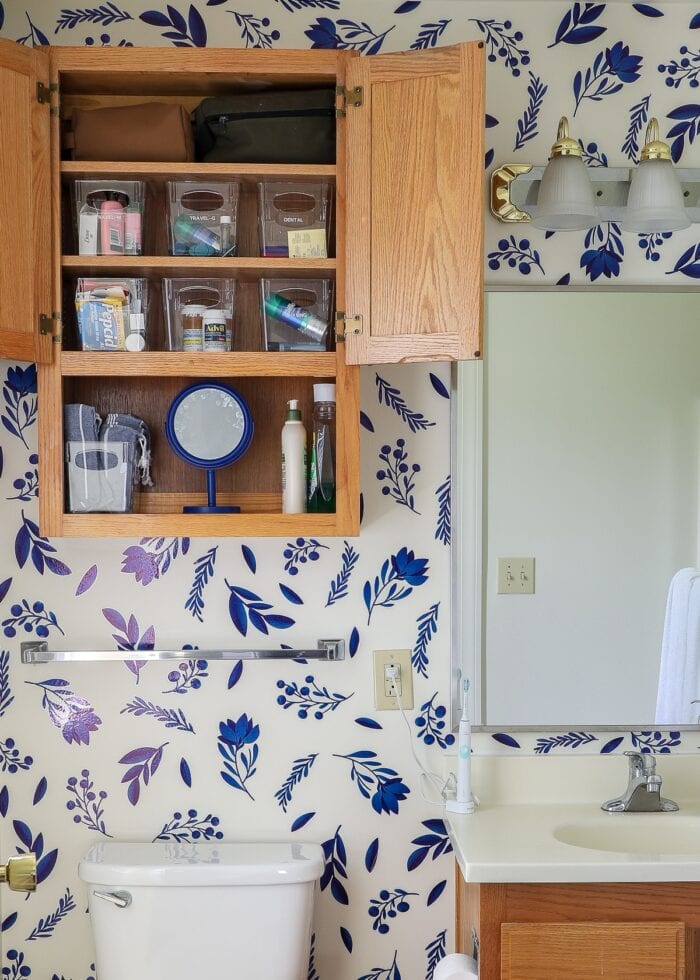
322,462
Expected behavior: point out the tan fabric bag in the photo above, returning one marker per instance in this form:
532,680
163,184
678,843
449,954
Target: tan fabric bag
151,132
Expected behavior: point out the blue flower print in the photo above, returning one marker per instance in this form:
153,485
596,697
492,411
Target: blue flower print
236,744
19,394
370,775
398,576
611,69
606,259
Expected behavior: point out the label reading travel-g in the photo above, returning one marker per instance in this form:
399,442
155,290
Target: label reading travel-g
309,243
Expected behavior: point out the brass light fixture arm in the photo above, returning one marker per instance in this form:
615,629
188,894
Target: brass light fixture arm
19,873
502,206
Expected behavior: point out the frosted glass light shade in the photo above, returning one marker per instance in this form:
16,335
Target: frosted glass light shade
565,201
655,200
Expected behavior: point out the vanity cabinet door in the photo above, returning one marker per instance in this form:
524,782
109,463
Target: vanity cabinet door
581,950
25,203
414,216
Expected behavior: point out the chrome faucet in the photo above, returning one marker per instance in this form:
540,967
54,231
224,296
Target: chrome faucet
643,793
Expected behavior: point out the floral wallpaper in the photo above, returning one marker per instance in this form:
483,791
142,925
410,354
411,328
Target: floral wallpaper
204,751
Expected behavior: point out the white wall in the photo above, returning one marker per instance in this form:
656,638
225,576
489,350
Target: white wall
593,409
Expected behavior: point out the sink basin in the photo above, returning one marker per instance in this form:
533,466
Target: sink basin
634,833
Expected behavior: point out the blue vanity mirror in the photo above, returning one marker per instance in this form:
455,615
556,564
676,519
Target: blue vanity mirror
209,425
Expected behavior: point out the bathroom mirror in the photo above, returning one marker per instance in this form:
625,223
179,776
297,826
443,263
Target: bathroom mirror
210,426
578,445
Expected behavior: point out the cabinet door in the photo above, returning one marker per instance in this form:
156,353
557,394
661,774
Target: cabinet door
581,950
25,203
415,192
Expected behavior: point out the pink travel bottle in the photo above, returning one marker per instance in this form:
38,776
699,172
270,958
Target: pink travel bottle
111,228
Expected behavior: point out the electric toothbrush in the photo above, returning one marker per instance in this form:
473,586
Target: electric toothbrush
463,801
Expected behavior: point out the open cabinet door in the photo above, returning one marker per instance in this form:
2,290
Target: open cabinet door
415,163
25,203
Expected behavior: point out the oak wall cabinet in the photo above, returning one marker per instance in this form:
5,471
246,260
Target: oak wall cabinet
406,261
615,930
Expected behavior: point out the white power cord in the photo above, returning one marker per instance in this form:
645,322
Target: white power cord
392,673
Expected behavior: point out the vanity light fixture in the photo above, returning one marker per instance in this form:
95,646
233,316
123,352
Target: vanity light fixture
655,201
566,201
655,196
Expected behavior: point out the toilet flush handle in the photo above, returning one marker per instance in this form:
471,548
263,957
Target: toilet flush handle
121,899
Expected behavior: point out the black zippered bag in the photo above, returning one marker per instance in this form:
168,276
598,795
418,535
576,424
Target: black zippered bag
267,127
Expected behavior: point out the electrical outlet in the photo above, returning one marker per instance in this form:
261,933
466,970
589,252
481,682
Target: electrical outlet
384,699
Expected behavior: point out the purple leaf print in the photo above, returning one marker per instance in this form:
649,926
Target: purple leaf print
75,716
143,763
128,638
87,581
115,619
152,557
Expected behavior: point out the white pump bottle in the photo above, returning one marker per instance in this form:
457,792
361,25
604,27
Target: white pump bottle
293,461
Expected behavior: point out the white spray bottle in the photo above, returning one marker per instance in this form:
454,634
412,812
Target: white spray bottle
463,802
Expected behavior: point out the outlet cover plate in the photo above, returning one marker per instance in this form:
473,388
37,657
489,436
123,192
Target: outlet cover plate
382,659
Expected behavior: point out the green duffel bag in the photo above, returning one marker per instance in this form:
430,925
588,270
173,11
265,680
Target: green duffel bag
267,127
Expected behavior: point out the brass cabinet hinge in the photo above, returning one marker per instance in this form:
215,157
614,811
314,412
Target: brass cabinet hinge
348,97
50,326
346,324
45,94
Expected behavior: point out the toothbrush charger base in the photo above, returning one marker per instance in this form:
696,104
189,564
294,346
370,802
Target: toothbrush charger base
454,806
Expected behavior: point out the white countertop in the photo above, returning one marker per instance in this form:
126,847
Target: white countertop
515,842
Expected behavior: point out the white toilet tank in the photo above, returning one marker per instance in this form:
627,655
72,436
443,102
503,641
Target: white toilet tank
168,911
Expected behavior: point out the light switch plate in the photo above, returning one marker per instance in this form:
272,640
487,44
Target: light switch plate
516,576
381,660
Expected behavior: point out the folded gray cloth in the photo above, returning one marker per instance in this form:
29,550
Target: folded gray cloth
122,427
81,423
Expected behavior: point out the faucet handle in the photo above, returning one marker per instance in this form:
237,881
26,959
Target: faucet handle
636,761
641,764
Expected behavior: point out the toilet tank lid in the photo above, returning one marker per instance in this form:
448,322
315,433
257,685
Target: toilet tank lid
166,863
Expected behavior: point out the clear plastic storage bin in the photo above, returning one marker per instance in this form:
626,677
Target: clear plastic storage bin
199,314
99,477
109,216
112,314
203,217
296,313
295,219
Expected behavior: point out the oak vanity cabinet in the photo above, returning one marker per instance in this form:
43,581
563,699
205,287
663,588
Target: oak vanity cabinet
618,930
407,259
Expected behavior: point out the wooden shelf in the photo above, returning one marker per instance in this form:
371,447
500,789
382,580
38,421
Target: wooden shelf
248,173
190,267
181,365
199,525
